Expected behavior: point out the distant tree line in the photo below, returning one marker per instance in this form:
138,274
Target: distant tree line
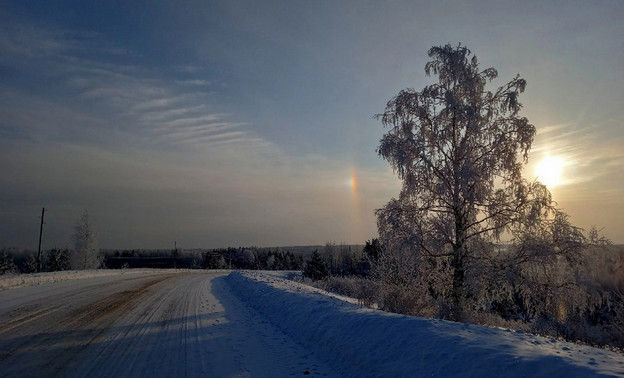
222,258
342,260
13,260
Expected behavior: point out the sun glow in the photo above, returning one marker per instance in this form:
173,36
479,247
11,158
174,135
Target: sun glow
354,183
355,224
549,170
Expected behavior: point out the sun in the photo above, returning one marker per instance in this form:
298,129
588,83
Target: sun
549,171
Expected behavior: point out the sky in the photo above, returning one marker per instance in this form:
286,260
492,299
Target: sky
238,123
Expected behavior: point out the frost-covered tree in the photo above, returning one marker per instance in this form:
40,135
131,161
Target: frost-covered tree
373,249
7,265
459,150
31,264
86,254
58,259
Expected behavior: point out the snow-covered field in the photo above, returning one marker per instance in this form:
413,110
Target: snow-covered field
34,279
197,323
21,280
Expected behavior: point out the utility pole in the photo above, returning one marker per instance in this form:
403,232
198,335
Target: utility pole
40,234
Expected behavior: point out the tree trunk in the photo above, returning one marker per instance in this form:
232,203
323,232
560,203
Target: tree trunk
457,294
458,279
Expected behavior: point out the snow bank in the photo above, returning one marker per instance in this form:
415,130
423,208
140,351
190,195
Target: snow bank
364,342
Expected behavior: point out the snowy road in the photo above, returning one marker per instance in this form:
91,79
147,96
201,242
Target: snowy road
158,324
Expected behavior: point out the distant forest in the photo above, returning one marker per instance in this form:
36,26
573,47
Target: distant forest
13,260
223,258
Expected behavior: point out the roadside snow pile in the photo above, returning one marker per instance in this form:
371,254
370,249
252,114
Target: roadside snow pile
364,342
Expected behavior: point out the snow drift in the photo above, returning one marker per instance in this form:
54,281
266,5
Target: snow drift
363,342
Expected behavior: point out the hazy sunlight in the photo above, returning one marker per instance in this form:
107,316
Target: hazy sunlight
353,182
549,170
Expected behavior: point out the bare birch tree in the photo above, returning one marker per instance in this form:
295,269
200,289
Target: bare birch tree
459,150
86,254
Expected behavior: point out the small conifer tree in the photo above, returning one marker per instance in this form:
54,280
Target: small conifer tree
316,268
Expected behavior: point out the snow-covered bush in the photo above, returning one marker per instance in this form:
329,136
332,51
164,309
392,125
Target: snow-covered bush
365,290
57,259
7,266
601,318
31,264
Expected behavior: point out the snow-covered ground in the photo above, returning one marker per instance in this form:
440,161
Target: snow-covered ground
165,323
364,342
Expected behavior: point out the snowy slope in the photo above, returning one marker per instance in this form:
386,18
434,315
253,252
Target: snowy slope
364,342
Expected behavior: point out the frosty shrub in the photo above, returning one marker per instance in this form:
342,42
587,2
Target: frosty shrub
58,259
31,264
366,291
600,318
407,301
7,266
295,276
